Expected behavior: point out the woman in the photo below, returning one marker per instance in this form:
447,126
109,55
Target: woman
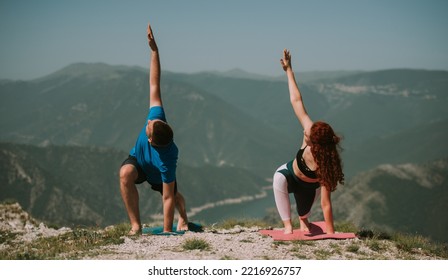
315,170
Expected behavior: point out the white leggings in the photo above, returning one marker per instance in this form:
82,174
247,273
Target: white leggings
281,194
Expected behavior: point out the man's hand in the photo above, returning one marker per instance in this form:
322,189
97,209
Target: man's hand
286,60
151,41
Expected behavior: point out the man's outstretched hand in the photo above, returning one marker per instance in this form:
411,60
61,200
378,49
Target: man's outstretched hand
151,41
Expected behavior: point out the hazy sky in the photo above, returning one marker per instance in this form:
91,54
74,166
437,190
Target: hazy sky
40,37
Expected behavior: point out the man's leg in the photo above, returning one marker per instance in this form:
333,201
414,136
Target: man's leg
129,193
182,223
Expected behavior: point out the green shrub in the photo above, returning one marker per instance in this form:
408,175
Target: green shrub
195,244
353,248
411,243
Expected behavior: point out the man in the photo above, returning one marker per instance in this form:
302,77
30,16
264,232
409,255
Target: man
153,158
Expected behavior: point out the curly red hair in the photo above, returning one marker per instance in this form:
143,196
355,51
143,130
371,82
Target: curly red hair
325,152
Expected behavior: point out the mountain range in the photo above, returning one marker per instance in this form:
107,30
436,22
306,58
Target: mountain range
73,128
369,109
101,105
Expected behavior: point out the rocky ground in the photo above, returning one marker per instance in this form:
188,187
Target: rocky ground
238,243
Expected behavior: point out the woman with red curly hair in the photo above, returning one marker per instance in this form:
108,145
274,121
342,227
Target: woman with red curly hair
316,169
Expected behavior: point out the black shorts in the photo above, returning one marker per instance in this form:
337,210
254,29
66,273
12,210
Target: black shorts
142,176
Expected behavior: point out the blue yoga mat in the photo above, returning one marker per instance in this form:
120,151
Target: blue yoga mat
195,227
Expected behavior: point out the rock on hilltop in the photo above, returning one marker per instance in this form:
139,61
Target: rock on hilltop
13,220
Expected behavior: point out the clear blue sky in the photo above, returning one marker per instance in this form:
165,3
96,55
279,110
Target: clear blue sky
40,37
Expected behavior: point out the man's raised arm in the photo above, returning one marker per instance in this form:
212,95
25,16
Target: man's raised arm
155,99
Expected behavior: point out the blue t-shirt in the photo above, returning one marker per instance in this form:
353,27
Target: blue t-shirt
158,163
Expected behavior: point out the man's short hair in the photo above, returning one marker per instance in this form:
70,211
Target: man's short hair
162,134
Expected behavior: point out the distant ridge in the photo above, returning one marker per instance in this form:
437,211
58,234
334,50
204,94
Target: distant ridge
239,73
307,76
92,70
403,77
101,70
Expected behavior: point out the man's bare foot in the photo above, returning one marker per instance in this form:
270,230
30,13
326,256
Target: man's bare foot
135,232
182,225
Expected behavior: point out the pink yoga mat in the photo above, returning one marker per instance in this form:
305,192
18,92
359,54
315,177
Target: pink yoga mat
317,231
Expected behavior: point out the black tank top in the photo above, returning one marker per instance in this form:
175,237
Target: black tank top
303,167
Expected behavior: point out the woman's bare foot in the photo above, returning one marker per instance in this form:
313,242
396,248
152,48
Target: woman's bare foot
304,225
288,231
288,227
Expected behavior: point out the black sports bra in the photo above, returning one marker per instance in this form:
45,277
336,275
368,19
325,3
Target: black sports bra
303,167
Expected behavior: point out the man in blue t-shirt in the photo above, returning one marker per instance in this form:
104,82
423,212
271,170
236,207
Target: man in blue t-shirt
153,158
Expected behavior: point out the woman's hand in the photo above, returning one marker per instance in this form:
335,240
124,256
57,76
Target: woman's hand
286,60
